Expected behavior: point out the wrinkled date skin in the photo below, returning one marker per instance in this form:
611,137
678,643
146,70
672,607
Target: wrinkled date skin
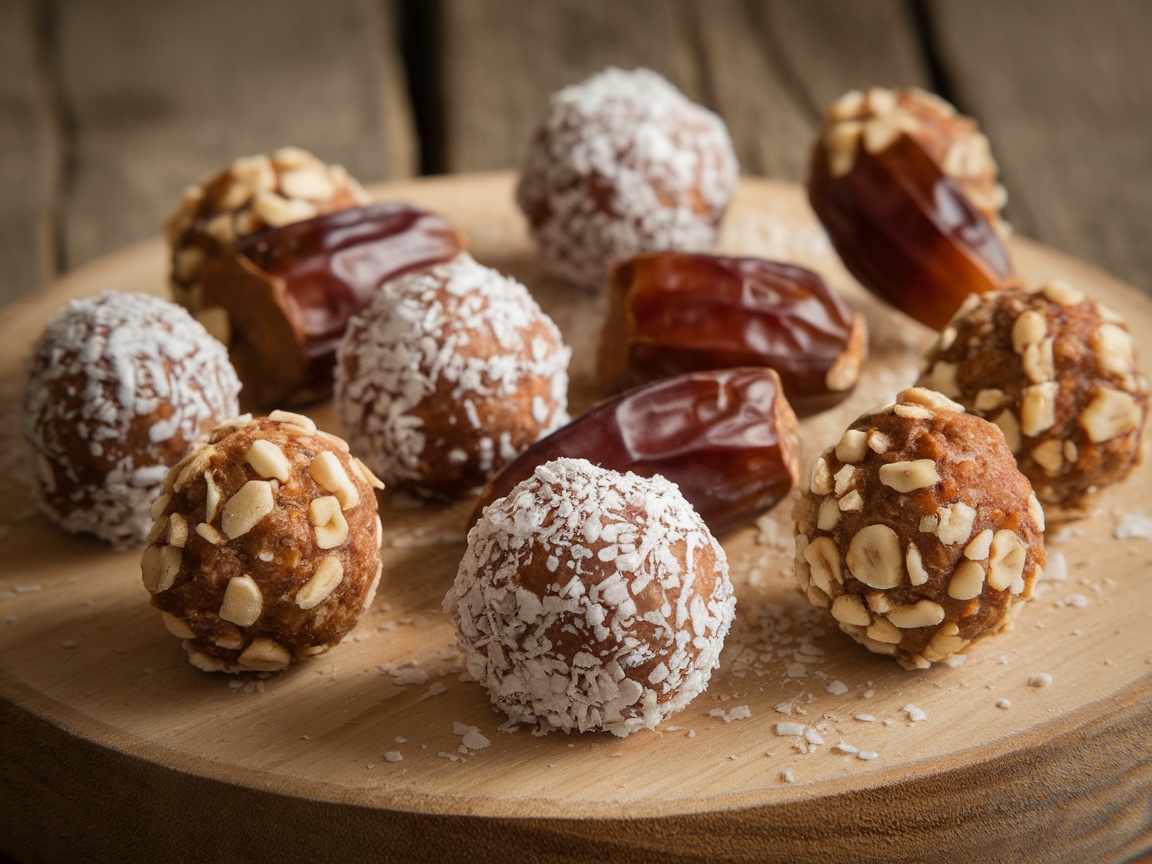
728,438
906,230
675,312
290,292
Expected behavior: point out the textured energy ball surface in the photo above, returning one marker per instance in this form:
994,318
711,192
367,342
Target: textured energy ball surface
918,532
624,163
120,386
266,545
591,600
450,373
1056,371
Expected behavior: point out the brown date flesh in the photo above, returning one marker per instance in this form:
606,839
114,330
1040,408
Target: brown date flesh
676,312
289,292
907,232
728,438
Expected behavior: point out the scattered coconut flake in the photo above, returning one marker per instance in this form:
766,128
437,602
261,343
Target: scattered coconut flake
1056,570
1077,601
786,776
955,660
845,747
914,713
434,689
837,688
1134,525
867,755
393,756
1040,679
1003,703
812,736
470,737
451,757
864,718
786,729
740,712
1063,535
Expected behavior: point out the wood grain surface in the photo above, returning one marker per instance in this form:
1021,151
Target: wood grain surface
109,107
1035,748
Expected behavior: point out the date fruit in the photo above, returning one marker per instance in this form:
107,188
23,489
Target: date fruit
281,299
676,312
728,438
906,189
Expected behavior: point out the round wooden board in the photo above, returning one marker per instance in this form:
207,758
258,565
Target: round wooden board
115,748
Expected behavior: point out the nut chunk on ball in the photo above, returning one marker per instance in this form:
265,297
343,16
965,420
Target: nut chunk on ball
1056,371
120,386
591,600
265,546
624,163
918,531
448,375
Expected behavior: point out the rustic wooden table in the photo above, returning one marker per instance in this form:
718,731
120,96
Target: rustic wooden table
108,108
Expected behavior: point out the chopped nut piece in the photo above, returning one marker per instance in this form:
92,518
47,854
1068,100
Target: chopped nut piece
330,527
268,460
324,581
265,655
874,557
852,446
1029,329
978,546
1111,413
307,424
176,626
910,475
848,609
967,582
1007,557
247,507
243,601
925,613
330,474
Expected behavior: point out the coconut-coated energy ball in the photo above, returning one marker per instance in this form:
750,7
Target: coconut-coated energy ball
119,387
447,375
1056,371
265,546
918,532
589,599
624,163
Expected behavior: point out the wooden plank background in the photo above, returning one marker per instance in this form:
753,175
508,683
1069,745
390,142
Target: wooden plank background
109,107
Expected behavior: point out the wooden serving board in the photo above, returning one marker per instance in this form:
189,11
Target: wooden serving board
113,747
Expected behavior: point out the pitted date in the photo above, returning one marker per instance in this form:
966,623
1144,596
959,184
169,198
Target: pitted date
728,438
906,190
284,296
676,312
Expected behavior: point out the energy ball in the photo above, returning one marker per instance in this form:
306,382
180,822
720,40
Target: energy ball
1056,371
918,532
589,599
254,192
624,163
120,386
447,375
265,546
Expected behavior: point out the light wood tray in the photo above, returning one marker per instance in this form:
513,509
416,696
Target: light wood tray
115,748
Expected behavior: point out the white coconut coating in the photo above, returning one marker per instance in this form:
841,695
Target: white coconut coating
120,386
449,374
591,600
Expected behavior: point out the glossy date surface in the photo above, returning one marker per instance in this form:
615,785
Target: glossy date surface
907,231
728,438
289,292
675,312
